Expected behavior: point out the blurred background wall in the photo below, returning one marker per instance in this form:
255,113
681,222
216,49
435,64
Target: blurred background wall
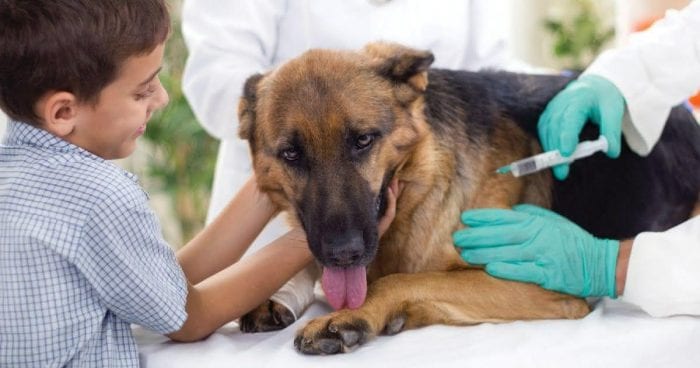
176,159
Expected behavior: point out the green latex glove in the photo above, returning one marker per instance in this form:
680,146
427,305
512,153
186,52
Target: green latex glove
588,98
532,244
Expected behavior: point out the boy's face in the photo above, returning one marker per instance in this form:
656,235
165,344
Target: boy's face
110,128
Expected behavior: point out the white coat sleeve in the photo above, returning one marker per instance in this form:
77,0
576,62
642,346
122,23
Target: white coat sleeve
227,41
657,70
663,277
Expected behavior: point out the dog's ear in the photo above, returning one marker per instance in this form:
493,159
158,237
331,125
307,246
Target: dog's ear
400,63
246,107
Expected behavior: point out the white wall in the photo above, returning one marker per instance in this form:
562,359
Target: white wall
527,34
529,39
533,44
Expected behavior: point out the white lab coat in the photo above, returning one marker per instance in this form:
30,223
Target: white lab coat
230,40
657,70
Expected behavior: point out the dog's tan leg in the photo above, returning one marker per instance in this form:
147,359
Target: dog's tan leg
696,210
275,313
463,297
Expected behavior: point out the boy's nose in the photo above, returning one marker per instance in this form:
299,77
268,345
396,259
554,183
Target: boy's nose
162,99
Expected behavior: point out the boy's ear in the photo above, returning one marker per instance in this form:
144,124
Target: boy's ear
58,111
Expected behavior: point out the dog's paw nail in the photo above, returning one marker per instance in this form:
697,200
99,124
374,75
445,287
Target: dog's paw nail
301,344
395,325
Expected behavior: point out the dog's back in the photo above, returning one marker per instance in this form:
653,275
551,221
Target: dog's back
611,198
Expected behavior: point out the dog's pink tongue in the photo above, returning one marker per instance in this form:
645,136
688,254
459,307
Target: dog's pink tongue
345,286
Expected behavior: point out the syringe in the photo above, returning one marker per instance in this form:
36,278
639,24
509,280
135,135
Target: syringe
552,158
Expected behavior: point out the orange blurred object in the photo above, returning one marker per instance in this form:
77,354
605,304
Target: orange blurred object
644,23
695,100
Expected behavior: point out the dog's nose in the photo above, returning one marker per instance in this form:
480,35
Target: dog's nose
345,249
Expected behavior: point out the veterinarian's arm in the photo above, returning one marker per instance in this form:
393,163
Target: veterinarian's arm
225,240
242,286
623,260
656,271
662,273
228,41
532,244
655,71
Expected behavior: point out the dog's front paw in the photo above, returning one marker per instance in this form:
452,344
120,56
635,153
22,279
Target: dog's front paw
269,316
340,332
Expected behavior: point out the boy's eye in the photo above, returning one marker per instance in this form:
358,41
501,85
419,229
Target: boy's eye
145,94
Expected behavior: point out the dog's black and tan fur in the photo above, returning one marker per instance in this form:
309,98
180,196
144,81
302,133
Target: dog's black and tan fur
330,129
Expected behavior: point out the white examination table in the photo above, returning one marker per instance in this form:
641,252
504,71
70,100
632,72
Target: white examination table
614,334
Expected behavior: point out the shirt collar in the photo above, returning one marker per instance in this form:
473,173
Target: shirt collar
23,134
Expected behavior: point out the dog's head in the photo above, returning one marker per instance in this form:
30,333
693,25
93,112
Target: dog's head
328,131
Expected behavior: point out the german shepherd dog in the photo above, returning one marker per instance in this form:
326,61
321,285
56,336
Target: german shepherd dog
330,129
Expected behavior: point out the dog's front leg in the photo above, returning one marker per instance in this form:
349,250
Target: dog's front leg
285,306
403,301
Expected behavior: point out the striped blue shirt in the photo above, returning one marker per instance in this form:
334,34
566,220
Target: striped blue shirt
81,258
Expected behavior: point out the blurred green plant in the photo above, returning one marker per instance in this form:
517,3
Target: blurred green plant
579,39
182,155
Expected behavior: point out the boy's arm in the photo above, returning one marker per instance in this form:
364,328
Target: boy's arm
242,286
239,288
225,240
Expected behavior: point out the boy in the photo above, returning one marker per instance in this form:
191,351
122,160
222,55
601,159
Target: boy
81,254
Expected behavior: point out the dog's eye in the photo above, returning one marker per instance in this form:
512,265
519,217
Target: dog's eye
291,154
364,141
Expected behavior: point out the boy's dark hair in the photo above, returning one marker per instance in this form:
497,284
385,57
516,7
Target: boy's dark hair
76,46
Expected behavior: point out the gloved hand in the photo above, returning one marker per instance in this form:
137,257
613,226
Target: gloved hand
589,97
532,244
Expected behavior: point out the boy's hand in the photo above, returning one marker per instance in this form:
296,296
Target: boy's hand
394,191
262,200
227,238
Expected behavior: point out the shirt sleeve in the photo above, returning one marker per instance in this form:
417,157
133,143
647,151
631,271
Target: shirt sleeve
228,41
657,70
663,273
131,267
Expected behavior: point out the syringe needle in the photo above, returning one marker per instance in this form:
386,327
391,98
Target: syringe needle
548,159
503,169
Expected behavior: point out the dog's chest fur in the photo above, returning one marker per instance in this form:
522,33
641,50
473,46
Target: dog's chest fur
448,172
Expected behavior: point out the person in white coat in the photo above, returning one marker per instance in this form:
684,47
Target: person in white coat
228,41
628,90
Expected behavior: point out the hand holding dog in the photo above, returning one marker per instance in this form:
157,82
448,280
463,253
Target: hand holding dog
588,98
532,244
393,192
